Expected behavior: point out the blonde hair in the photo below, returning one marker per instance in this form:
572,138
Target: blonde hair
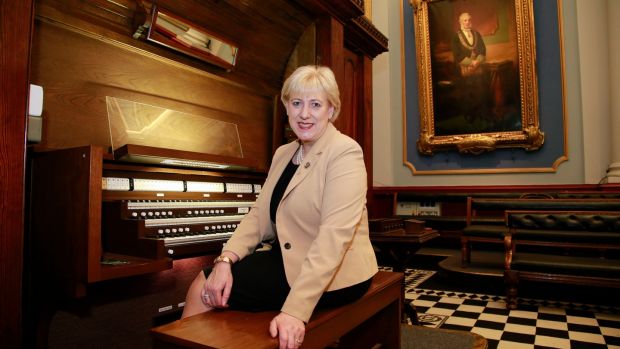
313,78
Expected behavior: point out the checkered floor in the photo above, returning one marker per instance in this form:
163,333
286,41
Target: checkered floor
536,324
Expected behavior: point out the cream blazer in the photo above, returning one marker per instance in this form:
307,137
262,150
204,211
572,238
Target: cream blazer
322,222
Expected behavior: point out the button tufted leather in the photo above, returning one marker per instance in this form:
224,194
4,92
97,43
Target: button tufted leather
564,221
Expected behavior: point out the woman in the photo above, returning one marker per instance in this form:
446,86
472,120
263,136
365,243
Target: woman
312,208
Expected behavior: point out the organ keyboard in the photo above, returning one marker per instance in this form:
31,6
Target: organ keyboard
201,222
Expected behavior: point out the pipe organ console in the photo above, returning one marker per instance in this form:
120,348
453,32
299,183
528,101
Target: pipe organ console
94,218
201,221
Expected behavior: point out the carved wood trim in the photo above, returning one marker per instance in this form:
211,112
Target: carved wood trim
361,34
342,10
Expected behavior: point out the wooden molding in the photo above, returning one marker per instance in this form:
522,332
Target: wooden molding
365,37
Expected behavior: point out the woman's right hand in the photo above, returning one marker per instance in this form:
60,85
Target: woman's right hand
216,290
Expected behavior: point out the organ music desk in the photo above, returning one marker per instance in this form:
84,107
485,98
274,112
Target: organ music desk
96,219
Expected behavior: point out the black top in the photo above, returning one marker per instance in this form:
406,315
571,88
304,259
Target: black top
280,187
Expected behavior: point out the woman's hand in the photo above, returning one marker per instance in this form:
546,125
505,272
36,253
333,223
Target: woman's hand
216,290
289,329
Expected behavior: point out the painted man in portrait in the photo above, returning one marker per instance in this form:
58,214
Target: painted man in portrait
469,53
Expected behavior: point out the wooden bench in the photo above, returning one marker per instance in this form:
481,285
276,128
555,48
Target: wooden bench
581,241
485,216
373,320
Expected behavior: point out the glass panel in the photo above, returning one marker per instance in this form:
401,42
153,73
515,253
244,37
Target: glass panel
142,124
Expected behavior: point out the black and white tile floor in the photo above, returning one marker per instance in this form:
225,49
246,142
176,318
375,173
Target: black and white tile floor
536,324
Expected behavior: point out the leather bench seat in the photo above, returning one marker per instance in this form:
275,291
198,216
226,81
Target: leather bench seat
592,237
474,231
566,221
549,204
585,235
595,228
566,265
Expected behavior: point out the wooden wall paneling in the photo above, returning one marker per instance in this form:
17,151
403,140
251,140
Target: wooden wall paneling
15,28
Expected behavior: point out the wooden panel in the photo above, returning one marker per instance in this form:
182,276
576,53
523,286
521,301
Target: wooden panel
350,95
66,218
83,50
330,46
365,124
15,27
265,38
364,38
79,71
453,199
119,313
342,9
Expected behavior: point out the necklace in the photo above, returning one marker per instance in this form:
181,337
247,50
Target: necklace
300,154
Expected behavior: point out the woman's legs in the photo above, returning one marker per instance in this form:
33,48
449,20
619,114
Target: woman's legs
193,299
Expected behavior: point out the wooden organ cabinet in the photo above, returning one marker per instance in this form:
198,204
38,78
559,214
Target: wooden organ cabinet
96,220
116,230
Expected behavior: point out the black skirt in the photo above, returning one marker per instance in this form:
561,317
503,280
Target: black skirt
259,284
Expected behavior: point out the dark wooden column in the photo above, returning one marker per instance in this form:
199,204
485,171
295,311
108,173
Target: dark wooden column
349,49
16,20
365,119
330,46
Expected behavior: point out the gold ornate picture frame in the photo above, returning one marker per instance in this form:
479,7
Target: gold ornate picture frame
477,83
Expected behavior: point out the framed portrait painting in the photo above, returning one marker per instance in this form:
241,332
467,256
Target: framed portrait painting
477,84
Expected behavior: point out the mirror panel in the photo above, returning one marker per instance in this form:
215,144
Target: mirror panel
176,33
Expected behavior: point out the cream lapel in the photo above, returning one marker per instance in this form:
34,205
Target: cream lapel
311,159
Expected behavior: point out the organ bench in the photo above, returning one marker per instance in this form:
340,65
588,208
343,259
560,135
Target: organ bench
374,319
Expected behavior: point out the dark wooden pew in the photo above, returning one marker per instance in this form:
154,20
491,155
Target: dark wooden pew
374,319
577,248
